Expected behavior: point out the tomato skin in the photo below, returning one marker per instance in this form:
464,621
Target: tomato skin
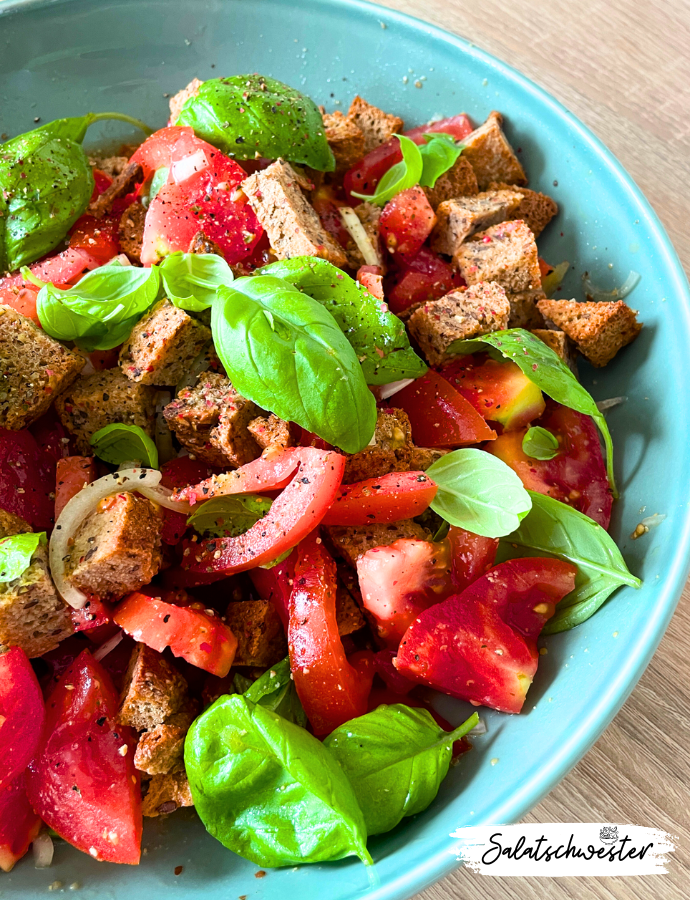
27,479
576,476
64,268
97,236
96,618
199,638
50,436
398,495
472,556
294,513
22,713
394,681
72,474
104,359
275,584
19,824
439,415
457,126
327,207
406,222
481,645
157,149
82,747
423,278
331,689
22,300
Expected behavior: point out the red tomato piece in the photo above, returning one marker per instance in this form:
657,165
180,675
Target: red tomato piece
65,268
190,632
371,278
22,713
19,824
50,435
439,415
366,174
178,474
471,557
27,479
72,474
394,681
544,267
95,614
327,207
99,237
421,279
398,495
157,149
481,645
406,222
576,476
457,127
294,513
267,473
275,584
101,182
331,689
22,300
104,359
82,782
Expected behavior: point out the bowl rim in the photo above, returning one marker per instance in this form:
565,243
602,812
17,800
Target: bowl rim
605,706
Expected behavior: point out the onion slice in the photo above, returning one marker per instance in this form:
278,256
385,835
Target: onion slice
619,293
358,233
603,405
107,646
384,391
42,849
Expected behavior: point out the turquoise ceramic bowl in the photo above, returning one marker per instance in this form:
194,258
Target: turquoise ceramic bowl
66,57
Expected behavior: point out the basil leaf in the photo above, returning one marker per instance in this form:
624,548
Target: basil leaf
395,758
190,280
439,154
285,352
229,516
400,177
555,529
247,116
160,176
16,552
476,494
548,371
268,790
540,443
276,690
377,336
120,443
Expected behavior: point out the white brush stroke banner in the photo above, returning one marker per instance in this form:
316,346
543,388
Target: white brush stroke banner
561,849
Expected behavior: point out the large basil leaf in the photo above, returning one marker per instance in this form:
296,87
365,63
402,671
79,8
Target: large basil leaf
377,336
276,690
545,369
190,280
229,516
555,529
16,552
119,443
268,790
395,758
285,352
401,176
46,182
251,115
439,154
478,492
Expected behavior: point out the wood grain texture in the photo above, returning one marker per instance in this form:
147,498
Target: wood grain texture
623,67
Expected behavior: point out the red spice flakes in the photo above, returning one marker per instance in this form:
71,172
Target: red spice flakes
260,874
178,870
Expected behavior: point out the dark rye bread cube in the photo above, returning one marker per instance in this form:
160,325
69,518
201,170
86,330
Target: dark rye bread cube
491,156
462,217
160,750
376,125
599,330
535,209
345,138
458,181
351,541
153,690
505,253
260,635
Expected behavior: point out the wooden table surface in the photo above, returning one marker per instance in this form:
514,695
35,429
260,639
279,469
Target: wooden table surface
623,67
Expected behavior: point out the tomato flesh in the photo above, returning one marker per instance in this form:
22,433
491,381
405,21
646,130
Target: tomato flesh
99,237
81,781
27,479
457,127
576,476
19,824
371,278
157,149
72,474
481,645
22,713
406,222
439,415
398,495
423,278
178,474
275,584
50,436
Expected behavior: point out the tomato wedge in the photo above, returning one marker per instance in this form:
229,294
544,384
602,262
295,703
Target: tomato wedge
19,824
267,473
82,781
27,479
331,689
398,495
73,473
178,474
439,415
423,278
294,513
197,636
275,584
481,645
406,222
22,713
157,149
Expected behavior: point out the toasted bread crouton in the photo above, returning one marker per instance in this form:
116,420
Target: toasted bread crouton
599,330
271,432
131,231
351,541
11,524
290,221
160,750
117,549
458,181
122,184
35,369
211,421
523,309
392,432
459,316
505,253
153,690
32,615
163,345
260,636
345,138
464,216
178,100
418,459
101,399
348,614
369,215
111,165
536,209
558,341
491,156
376,125
165,794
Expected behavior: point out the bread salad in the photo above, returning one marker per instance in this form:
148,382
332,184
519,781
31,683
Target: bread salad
291,433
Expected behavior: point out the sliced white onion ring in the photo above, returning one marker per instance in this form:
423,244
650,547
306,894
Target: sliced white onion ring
384,391
358,233
618,293
109,645
603,405
42,849
190,165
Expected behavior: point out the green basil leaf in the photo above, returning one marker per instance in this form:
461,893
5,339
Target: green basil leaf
250,115
268,790
377,336
160,176
400,177
285,352
552,528
540,443
395,758
548,371
229,516
478,492
276,690
190,280
439,154
16,552
120,443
